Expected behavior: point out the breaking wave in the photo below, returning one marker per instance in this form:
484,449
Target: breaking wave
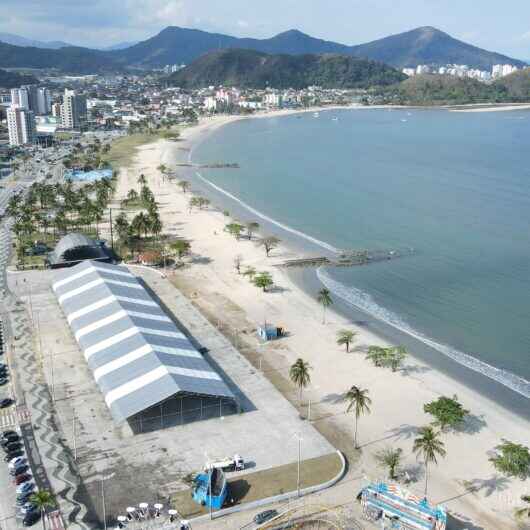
361,300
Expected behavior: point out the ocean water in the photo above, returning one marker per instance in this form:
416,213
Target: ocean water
455,187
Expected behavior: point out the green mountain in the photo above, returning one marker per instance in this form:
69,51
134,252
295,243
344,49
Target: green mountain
14,79
428,45
248,68
71,59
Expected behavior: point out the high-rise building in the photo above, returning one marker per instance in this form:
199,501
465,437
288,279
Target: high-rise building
44,102
73,110
21,126
20,98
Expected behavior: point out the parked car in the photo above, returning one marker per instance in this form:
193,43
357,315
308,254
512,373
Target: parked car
31,518
12,446
13,454
10,439
14,462
20,470
26,487
20,479
28,507
5,434
262,517
6,402
23,498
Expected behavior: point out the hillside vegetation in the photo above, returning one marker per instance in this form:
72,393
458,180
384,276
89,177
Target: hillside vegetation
450,90
14,79
251,69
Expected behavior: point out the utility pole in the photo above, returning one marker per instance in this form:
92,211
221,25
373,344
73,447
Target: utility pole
75,439
103,502
111,232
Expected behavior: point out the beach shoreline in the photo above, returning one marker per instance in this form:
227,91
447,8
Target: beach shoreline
398,398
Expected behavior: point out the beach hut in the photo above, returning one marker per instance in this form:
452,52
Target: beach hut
268,332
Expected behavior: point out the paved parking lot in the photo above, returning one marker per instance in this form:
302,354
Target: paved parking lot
127,469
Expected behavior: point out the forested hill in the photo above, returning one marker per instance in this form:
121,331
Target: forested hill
251,69
13,79
451,90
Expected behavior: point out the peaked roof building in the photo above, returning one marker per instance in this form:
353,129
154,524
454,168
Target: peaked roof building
138,356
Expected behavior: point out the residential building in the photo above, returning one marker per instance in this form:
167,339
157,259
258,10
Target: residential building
56,110
21,126
73,110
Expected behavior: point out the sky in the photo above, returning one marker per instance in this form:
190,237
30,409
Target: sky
498,26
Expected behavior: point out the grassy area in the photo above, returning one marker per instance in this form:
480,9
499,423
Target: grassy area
123,149
263,484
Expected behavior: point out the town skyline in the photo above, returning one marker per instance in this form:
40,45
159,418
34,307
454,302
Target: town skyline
102,24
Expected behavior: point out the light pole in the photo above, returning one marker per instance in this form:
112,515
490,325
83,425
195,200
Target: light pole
299,437
75,437
103,478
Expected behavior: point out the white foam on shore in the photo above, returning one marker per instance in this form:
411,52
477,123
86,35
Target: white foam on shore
363,301
261,215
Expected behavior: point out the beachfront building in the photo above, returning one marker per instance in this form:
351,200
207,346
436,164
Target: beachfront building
274,100
211,103
73,110
21,126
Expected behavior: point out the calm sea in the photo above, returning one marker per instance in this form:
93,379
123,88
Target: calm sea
455,187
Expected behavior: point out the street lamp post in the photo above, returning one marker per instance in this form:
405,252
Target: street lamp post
103,478
299,437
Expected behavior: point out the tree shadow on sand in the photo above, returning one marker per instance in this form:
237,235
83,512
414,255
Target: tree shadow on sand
414,369
487,486
333,398
403,432
472,424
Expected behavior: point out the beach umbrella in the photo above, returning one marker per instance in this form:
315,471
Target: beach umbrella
158,507
144,508
172,515
122,521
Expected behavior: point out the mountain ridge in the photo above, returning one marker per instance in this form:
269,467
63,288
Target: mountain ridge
176,45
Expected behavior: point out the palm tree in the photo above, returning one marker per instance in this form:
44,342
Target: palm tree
429,446
346,337
251,227
324,298
359,402
43,499
524,512
121,225
142,180
300,376
180,248
390,458
140,224
184,185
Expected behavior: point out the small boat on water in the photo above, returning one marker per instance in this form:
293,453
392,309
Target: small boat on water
316,114
335,119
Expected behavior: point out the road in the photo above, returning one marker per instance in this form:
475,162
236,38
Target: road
8,417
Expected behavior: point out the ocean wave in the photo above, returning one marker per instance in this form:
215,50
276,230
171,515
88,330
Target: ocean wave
361,300
261,215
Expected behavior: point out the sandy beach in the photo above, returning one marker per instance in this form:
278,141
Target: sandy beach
465,481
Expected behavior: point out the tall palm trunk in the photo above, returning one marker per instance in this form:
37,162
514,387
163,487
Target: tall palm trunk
355,434
426,476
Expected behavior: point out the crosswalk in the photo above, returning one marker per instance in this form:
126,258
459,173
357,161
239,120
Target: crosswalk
7,418
23,414
55,521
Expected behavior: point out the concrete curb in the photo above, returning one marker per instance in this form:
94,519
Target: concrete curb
278,498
